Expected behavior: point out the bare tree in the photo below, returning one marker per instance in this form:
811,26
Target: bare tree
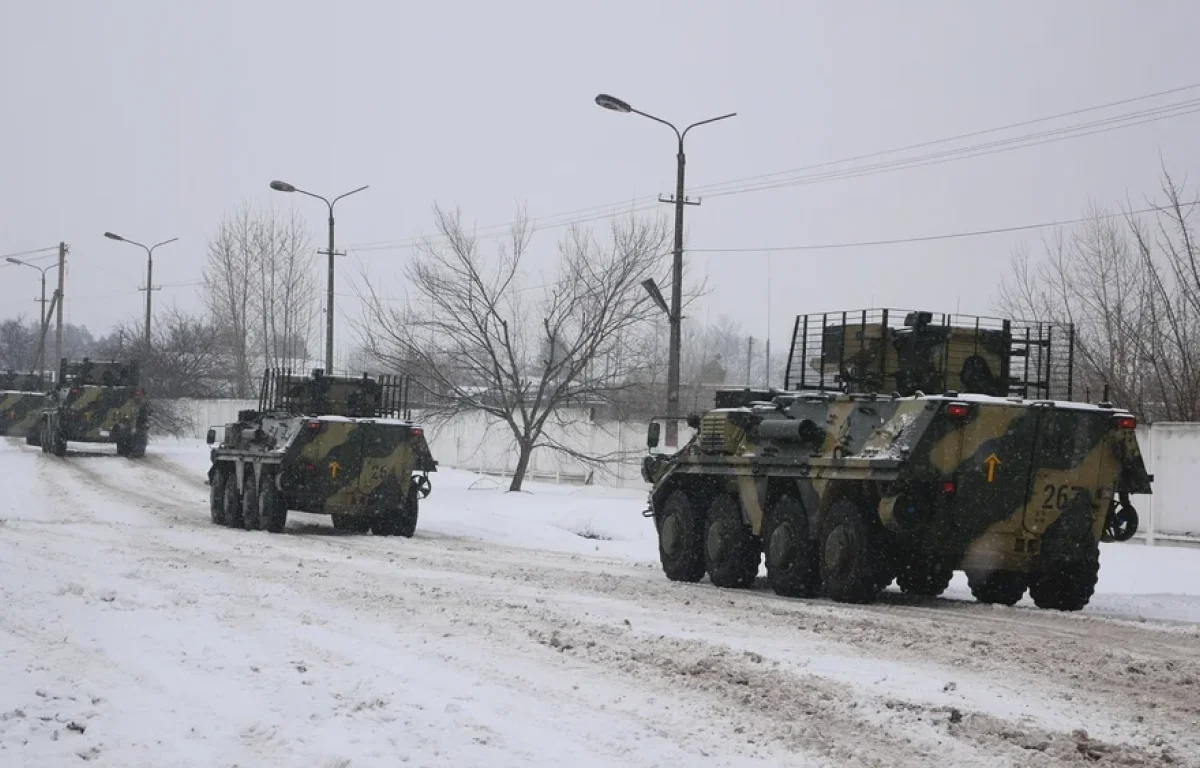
481,336
1132,290
260,290
285,295
229,291
183,360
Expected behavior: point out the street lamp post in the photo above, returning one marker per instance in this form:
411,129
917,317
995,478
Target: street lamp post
283,186
149,272
675,315
41,358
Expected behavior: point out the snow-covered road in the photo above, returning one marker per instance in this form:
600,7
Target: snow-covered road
531,629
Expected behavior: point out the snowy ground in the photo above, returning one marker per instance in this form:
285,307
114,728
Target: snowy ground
532,629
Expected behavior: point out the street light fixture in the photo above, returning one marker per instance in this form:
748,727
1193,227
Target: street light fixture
614,104
283,186
149,272
41,358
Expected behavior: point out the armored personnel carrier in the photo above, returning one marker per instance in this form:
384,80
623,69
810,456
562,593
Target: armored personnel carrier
330,445
21,396
96,401
904,446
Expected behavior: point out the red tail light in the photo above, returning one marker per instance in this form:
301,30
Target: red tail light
138,394
957,410
75,390
311,467
1126,422
418,432
948,487
314,425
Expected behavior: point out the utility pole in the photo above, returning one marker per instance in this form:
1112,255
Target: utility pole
58,321
749,357
283,186
676,312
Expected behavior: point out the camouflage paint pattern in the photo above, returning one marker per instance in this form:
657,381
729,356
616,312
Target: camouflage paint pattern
906,360
96,414
20,412
978,489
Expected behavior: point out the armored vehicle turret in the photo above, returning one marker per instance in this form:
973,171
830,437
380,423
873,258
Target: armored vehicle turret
96,401
340,446
904,446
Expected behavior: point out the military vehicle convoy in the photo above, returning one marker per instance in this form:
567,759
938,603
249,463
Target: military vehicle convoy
95,401
21,396
904,446
338,446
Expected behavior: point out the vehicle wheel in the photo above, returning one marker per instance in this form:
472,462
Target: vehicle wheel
1069,565
406,517
731,553
216,496
122,446
34,437
352,524
792,563
998,587
923,577
681,540
137,445
57,441
250,501
232,501
272,512
848,558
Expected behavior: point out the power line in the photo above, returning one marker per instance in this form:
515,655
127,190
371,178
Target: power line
50,251
720,189
949,139
928,238
981,150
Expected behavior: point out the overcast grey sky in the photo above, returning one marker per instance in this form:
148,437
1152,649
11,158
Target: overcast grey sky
153,118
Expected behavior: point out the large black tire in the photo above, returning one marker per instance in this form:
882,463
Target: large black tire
34,437
272,512
793,567
250,501
731,552
55,441
997,587
122,446
232,502
1069,565
352,524
849,561
681,539
216,496
406,520
137,445
921,576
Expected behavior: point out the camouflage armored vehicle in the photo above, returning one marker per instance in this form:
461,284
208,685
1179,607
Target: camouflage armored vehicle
96,401
329,445
904,447
21,396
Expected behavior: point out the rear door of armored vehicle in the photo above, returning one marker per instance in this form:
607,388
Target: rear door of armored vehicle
330,456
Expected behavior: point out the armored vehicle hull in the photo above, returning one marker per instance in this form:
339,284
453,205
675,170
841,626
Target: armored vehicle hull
365,469
844,493
21,398
96,402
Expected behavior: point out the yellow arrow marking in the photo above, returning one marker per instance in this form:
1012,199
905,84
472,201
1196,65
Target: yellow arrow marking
333,469
992,462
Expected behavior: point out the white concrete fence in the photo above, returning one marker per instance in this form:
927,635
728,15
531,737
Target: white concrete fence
480,444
